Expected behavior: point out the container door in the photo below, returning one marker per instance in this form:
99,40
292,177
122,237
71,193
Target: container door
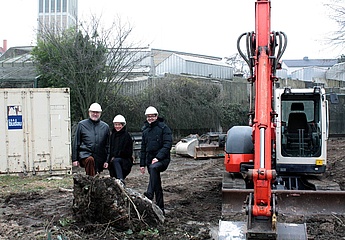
13,142
50,128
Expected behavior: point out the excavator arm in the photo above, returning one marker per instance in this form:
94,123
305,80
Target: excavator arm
263,129
261,210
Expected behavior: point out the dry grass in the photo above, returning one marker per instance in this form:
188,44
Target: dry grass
17,184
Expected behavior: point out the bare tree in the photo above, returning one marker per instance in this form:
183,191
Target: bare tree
91,60
238,64
337,8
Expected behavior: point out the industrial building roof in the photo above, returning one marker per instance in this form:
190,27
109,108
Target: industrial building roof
306,62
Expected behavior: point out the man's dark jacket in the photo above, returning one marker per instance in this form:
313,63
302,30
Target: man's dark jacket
156,143
91,139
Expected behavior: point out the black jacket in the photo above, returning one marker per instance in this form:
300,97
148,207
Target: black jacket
121,144
156,142
91,138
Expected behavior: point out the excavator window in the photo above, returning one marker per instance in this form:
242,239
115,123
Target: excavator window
301,132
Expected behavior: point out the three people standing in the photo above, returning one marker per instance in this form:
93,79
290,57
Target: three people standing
91,148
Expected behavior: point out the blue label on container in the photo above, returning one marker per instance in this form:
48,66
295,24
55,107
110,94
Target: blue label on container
14,117
15,122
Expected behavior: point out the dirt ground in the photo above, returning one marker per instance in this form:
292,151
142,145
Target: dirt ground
193,198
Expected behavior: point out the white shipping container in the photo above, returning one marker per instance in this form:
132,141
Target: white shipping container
35,131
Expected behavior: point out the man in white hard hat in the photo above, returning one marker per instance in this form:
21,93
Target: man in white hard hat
155,153
120,159
91,142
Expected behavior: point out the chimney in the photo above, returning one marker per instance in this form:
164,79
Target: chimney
4,45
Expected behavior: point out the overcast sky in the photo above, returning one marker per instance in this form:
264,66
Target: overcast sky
194,26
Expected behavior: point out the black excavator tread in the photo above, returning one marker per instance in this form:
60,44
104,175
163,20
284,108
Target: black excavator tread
321,184
232,181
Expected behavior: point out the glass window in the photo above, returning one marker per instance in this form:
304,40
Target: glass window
40,6
301,125
308,109
52,7
58,5
64,5
46,7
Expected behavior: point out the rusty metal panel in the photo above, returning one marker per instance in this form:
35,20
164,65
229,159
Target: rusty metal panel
208,151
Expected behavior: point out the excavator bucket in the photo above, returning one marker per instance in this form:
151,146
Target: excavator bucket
233,208
293,207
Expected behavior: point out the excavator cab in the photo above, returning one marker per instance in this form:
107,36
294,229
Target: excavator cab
302,130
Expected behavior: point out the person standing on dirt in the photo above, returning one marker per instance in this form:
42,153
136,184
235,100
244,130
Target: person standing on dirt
120,160
91,142
155,153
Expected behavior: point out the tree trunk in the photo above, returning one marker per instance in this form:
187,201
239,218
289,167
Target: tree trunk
99,200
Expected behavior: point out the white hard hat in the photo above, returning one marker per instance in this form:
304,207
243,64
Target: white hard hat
119,119
95,107
151,110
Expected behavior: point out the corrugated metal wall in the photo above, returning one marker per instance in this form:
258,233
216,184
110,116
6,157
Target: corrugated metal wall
208,70
337,72
282,73
178,65
172,65
307,74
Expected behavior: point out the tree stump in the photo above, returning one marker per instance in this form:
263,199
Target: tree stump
104,200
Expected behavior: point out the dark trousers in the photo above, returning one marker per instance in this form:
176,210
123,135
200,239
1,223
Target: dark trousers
155,184
120,168
89,165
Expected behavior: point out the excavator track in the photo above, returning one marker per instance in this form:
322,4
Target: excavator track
293,206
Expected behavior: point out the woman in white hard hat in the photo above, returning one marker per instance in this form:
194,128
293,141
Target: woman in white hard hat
91,142
155,153
120,159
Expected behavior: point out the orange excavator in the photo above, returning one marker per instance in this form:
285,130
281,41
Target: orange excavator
274,166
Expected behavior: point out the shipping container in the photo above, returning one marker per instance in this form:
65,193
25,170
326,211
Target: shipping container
35,131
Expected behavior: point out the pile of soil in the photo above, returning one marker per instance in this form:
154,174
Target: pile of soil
193,198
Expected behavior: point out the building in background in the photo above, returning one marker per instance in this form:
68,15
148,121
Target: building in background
336,72
17,68
174,62
57,15
159,62
305,69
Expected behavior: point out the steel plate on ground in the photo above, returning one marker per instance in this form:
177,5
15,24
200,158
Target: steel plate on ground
310,202
229,230
234,202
